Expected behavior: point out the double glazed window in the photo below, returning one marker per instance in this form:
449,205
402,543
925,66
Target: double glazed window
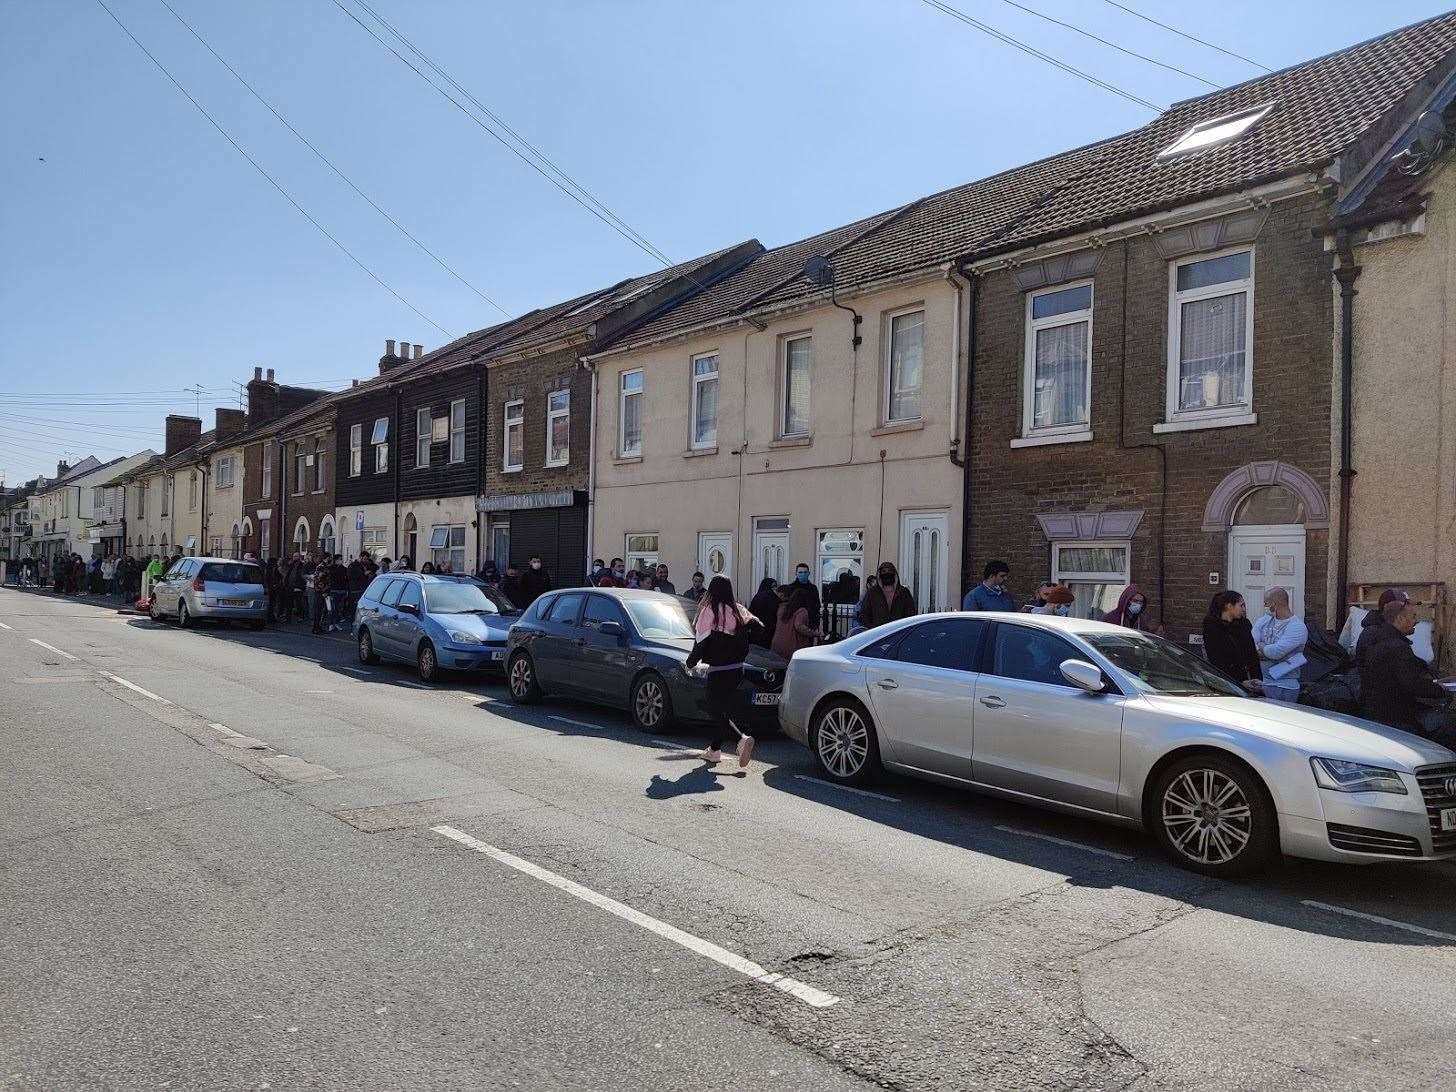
422,437
558,428
641,553
1210,333
318,464
798,362
705,401
223,472
356,451
905,369
379,438
267,480
457,431
300,467
629,415
513,450
1095,572
1058,377
447,548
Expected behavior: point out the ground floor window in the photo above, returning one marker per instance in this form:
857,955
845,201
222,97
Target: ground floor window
447,548
372,542
641,553
1095,572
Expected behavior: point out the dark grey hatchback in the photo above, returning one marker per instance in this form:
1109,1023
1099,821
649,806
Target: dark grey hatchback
627,649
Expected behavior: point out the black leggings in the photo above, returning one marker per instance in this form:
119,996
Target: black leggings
727,705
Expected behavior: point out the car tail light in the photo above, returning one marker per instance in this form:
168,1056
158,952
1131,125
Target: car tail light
198,586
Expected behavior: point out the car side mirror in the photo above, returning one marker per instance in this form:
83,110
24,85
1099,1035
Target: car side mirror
611,629
408,608
1084,676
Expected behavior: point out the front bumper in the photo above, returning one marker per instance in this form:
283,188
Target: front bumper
489,657
1367,827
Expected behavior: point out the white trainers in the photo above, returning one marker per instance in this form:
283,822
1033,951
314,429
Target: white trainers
712,756
745,751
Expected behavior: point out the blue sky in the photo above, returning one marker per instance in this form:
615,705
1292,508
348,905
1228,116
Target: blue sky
144,255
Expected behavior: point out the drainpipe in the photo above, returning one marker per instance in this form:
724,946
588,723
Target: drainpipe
591,467
1346,272
961,457
482,417
202,527
396,457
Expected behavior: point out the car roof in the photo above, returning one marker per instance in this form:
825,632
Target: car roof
225,560
624,593
1079,626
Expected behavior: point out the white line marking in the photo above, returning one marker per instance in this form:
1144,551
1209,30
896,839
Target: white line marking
4,626
355,670
134,686
1378,920
671,746
847,788
412,685
53,648
810,995
578,723
225,730
1067,842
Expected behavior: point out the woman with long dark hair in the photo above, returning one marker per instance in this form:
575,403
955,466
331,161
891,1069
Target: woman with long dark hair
765,607
795,626
1228,639
722,628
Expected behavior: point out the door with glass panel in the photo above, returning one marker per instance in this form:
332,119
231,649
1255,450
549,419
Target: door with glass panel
770,548
715,554
924,563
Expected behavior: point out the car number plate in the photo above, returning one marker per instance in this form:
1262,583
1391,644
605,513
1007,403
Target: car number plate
766,699
1448,818
498,654
233,602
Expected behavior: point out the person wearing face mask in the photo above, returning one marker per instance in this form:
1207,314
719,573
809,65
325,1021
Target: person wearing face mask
1131,609
594,577
1228,640
886,599
1280,638
535,581
804,582
1055,599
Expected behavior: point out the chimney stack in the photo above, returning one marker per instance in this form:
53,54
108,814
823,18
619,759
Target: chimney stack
61,467
270,375
419,351
182,432
391,359
230,422
389,346
258,373
264,403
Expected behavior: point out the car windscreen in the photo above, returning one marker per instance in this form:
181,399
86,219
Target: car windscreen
1157,666
225,573
462,597
660,618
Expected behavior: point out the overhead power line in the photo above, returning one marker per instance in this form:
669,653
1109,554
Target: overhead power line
1104,41
259,168
956,13
1190,37
330,163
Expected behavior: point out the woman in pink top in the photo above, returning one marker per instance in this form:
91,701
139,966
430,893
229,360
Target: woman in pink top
722,630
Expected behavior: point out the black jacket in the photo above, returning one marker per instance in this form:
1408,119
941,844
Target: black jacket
1396,686
1229,646
765,607
719,649
877,610
534,582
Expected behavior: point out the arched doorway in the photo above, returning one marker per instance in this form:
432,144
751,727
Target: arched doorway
411,539
248,544
237,542
1266,508
300,535
328,538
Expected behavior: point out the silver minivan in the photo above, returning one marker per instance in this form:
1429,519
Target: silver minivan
211,587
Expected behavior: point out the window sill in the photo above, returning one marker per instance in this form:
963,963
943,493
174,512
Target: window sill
626,460
556,466
1054,438
1195,423
512,469
792,441
898,426
696,452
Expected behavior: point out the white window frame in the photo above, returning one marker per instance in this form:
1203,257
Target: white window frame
424,430
513,416
451,549
781,397
300,467
320,452
552,415
379,440
623,451
356,449
457,432
166,490
695,442
1124,577
141,501
192,491
267,482
1028,367
888,388
1243,412
223,472
639,559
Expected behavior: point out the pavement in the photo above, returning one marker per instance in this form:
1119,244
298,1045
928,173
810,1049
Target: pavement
237,859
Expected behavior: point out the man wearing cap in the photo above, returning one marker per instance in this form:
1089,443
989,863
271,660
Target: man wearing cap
1396,686
1375,617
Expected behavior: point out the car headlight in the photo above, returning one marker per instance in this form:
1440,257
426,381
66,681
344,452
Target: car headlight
1342,776
462,638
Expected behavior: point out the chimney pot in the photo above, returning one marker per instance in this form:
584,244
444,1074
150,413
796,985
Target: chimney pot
270,375
355,383
258,373
389,347
419,351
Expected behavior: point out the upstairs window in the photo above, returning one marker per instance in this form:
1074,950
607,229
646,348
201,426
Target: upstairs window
629,415
300,467
905,369
192,491
224,473
356,450
166,495
423,429
457,431
267,483
705,401
794,387
1219,130
1057,388
318,464
379,438
513,450
1210,337
558,428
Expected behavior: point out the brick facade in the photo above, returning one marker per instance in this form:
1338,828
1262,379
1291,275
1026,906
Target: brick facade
1121,469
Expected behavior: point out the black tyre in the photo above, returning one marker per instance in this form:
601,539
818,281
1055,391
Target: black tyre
844,743
367,655
1213,815
651,703
427,661
183,618
152,610
521,680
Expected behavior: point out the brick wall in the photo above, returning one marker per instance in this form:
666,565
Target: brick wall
1291,397
532,380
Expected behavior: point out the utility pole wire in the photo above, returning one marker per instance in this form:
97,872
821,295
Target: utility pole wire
1104,41
956,13
329,163
1191,38
271,180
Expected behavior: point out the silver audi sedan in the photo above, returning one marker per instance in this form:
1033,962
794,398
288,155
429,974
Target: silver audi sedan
1115,725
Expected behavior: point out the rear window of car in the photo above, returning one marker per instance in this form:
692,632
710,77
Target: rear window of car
232,573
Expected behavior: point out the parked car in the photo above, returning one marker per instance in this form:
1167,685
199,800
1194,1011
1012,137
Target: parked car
216,588
438,623
627,649
1112,724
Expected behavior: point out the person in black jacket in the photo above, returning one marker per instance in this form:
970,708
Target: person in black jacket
722,628
535,582
1228,640
886,599
764,606
1396,686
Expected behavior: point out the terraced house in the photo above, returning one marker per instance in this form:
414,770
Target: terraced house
280,497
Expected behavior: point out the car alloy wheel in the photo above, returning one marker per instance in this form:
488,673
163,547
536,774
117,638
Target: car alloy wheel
183,620
651,707
366,648
152,610
1212,815
843,742
521,680
429,666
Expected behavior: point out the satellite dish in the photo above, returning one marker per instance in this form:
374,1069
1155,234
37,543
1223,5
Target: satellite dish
818,270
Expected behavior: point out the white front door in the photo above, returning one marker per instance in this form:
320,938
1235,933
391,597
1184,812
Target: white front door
715,554
770,554
924,565
1261,558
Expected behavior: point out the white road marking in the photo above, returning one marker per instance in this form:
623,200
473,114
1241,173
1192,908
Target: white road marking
578,723
810,995
52,648
225,730
1378,920
412,685
318,691
355,670
1067,842
133,686
671,746
847,788
4,626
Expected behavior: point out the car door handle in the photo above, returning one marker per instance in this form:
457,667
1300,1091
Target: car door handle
991,701
888,684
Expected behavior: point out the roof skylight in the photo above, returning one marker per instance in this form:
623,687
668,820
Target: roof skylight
1214,131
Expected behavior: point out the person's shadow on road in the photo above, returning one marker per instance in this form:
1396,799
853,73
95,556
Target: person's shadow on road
700,779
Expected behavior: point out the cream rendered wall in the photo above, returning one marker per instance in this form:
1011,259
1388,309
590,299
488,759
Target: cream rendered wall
1403,500
224,505
834,481
432,512
376,517
187,521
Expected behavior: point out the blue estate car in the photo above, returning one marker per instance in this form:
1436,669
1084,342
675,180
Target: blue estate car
627,649
438,623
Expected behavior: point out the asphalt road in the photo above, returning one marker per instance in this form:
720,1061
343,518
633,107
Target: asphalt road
241,860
